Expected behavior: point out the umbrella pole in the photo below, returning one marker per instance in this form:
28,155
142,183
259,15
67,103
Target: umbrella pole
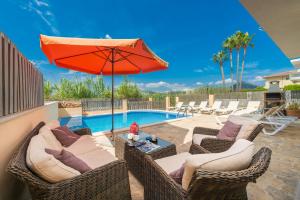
112,94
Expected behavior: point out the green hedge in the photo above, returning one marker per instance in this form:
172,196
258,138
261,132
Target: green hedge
292,87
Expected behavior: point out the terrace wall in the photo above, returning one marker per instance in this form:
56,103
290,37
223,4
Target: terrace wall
14,128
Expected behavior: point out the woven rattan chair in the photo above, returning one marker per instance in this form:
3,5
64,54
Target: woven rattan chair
210,185
215,145
106,182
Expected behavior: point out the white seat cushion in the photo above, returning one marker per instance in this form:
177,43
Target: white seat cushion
172,163
50,139
197,138
92,151
44,164
96,158
238,157
248,125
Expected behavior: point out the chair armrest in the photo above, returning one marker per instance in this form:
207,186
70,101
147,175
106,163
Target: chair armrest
197,149
96,181
205,131
216,145
158,184
164,152
83,131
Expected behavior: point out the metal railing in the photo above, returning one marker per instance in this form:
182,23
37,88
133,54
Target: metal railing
146,105
99,104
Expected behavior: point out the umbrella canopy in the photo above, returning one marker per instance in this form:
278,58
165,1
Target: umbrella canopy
94,56
102,57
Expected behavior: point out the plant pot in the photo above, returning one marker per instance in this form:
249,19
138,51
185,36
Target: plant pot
294,113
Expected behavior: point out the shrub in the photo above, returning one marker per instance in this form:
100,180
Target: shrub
293,106
292,87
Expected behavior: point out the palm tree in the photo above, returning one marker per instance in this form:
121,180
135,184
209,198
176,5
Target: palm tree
229,44
220,58
246,42
237,38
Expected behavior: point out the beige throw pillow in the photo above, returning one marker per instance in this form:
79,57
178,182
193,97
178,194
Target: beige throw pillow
50,139
44,164
238,157
248,125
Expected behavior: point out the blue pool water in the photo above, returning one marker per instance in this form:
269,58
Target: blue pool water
122,120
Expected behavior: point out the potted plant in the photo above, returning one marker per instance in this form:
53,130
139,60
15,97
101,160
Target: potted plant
293,109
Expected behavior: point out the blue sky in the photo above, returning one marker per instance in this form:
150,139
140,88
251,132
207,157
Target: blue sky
184,33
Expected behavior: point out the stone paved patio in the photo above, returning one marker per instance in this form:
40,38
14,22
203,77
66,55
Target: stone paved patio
281,181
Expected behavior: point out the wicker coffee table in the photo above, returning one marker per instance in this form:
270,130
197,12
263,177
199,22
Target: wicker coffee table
135,158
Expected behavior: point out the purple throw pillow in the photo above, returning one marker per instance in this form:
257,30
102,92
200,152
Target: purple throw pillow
229,131
177,175
65,136
69,159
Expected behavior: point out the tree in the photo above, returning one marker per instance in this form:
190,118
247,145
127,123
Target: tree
48,89
246,41
229,44
237,38
128,90
99,87
220,58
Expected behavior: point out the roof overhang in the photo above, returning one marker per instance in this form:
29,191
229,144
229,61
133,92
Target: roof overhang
281,20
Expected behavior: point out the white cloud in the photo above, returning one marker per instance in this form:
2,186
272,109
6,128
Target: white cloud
211,83
41,3
199,83
42,9
227,81
39,63
107,36
251,65
258,79
69,72
198,70
162,86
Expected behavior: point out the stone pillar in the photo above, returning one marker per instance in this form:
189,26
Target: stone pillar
211,100
124,105
168,103
176,99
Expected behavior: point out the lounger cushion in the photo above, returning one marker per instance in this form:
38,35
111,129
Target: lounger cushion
229,131
91,151
51,140
44,164
248,125
197,138
172,163
238,157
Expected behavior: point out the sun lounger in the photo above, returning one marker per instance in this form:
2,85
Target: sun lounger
232,106
202,105
176,107
252,107
215,106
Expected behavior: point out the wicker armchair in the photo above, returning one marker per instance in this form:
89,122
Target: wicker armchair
107,182
215,145
208,185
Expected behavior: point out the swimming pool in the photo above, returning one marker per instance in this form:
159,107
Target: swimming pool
100,123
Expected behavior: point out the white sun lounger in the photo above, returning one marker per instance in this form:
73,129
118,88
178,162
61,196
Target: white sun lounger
252,107
202,105
215,106
190,106
177,107
232,106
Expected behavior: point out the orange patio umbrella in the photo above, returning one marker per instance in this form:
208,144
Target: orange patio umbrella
102,57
